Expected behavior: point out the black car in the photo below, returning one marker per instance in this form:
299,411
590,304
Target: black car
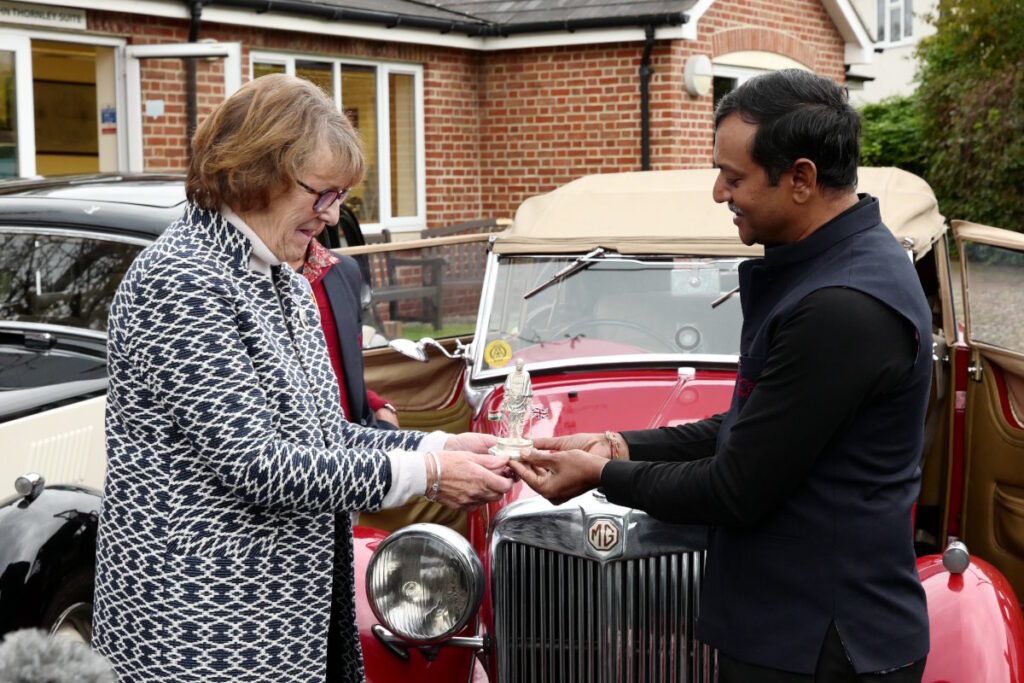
65,244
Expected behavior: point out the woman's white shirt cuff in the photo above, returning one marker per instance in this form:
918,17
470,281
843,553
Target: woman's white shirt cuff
409,471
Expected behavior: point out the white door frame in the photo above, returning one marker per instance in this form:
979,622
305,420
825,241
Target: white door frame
25,120
230,52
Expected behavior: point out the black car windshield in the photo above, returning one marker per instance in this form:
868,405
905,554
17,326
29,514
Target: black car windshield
616,306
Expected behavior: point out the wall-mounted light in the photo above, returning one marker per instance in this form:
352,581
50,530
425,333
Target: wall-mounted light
697,75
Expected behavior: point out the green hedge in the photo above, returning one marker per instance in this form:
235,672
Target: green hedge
892,136
971,108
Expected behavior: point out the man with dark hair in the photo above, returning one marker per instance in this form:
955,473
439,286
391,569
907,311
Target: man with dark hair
808,480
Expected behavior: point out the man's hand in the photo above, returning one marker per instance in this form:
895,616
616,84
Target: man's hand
468,441
469,480
595,444
562,475
386,414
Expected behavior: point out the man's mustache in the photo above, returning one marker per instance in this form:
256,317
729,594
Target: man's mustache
734,209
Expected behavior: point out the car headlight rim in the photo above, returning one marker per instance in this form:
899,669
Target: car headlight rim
452,558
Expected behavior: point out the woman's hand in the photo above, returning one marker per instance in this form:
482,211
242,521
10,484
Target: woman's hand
468,441
468,480
560,476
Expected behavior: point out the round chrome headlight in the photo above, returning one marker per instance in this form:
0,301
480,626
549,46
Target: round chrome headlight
424,583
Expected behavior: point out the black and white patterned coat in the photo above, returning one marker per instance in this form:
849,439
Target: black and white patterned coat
228,457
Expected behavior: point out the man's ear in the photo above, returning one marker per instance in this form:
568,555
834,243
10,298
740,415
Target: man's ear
805,180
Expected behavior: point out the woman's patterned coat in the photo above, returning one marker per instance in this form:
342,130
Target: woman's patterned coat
228,457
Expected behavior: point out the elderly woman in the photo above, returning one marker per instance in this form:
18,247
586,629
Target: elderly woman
231,467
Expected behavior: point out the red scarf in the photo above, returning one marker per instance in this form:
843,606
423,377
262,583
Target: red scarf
319,260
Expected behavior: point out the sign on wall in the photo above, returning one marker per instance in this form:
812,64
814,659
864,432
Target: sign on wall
40,15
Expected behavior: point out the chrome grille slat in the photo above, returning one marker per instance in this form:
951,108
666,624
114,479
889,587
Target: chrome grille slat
565,618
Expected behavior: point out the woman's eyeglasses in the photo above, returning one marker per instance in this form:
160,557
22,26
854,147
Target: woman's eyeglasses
325,198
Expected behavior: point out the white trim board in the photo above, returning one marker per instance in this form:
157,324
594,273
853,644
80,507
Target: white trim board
858,48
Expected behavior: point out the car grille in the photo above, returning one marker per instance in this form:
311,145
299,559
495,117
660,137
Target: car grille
562,616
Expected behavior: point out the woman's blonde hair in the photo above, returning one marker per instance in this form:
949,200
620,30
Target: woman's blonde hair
256,142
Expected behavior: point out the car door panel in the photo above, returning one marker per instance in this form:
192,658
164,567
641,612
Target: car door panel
992,271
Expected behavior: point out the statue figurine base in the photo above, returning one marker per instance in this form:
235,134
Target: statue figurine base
510,447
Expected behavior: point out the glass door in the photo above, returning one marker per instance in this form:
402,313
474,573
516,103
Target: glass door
17,131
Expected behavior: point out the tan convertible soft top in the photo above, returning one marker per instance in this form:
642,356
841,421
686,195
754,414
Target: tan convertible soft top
658,212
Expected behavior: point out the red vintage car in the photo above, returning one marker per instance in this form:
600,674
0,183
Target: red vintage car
614,290
619,331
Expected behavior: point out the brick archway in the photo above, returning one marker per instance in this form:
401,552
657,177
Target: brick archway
762,40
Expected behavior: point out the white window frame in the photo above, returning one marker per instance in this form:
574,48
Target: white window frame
21,40
742,74
887,39
25,118
383,71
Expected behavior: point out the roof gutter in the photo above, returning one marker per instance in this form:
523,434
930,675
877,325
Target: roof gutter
645,99
195,10
469,28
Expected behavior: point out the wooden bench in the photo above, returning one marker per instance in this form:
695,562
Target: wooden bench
402,277
464,263
450,258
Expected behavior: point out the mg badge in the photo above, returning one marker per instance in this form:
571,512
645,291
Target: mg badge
603,535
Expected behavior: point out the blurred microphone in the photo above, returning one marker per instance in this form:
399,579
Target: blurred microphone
30,656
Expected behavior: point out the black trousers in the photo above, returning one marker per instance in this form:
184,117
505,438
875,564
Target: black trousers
833,667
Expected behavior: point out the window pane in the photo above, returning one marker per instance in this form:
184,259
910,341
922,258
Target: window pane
994,295
359,102
8,117
64,92
61,280
896,14
264,68
402,107
320,73
908,18
723,86
883,15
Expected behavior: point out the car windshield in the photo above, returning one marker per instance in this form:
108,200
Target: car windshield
615,306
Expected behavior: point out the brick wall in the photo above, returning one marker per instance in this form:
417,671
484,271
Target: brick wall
502,126
551,115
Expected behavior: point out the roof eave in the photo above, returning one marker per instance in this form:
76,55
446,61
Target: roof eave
859,48
470,28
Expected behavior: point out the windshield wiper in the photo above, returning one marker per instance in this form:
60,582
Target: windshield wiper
725,297
576,266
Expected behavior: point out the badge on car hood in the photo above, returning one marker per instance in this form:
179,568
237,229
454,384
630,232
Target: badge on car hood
603,534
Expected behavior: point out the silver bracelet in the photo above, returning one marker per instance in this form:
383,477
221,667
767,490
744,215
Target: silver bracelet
612,446
435,489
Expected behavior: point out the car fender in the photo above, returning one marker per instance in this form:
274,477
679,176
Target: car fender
977,632
44,541
382,664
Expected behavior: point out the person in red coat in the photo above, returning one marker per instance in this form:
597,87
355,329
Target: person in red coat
336,285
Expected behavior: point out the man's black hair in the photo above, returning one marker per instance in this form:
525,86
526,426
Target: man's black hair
798,114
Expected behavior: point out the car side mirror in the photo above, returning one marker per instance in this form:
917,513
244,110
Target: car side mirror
418,350
409,348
